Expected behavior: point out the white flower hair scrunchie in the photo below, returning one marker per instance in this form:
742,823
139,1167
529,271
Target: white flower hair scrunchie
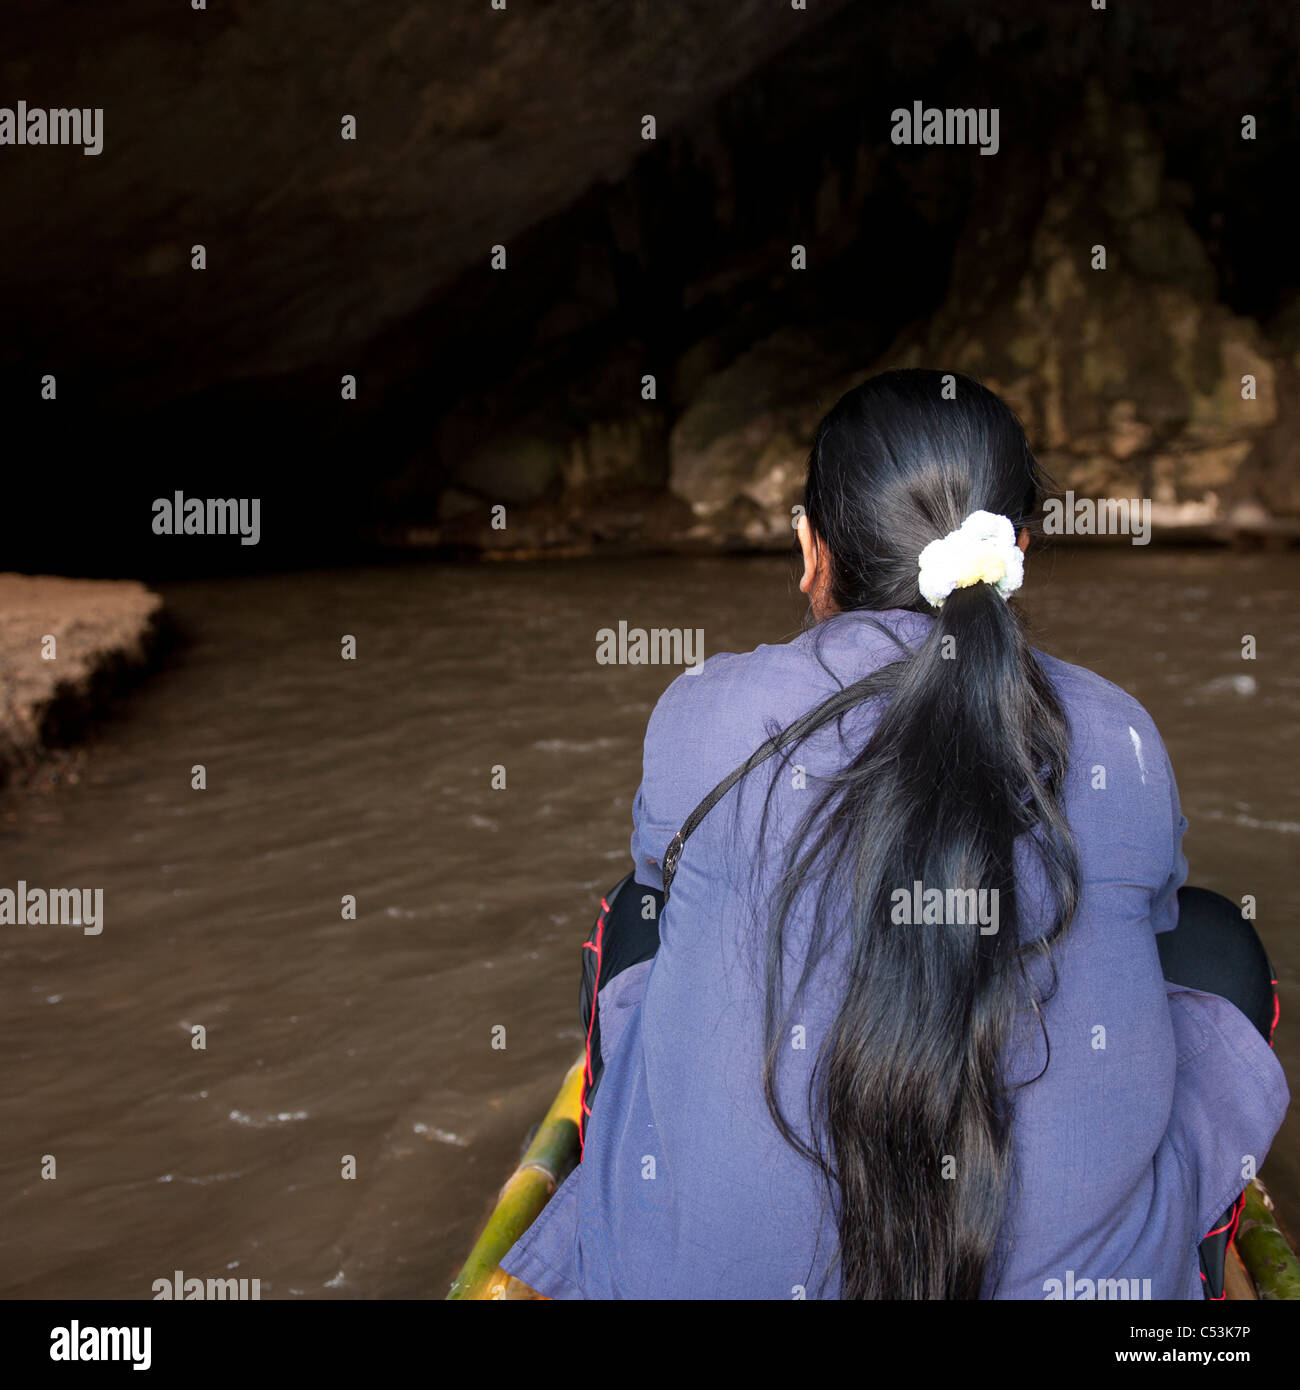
982,550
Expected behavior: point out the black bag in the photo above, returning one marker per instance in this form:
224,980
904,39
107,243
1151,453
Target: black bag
621,937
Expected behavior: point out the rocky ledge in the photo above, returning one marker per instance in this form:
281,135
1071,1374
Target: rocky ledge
68,647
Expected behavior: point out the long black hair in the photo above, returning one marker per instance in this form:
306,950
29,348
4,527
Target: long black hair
910,1112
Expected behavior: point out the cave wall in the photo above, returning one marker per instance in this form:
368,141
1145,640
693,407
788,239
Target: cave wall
223,126
627,258
1129,379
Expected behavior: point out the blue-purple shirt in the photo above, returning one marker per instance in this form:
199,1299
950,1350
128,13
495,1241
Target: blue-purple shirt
1142,1130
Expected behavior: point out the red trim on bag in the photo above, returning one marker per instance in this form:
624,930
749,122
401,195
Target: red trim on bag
1234,1216
591,1023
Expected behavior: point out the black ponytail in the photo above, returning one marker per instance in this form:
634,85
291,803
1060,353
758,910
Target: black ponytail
911,1118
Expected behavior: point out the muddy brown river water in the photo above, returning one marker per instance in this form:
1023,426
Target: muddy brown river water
372,1038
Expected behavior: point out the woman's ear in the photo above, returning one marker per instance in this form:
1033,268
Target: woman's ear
1022,540
807,544
816,581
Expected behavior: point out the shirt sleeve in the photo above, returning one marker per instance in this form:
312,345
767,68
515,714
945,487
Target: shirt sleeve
647,851
1164,905
666,751
1231,1094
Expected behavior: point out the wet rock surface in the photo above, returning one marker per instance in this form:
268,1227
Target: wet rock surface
68,647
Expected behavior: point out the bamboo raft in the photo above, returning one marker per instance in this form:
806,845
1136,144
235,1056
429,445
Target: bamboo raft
547,1161
1261,1264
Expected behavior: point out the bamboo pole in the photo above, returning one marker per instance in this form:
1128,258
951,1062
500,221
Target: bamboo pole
547,1162
1265,1251
1238,1286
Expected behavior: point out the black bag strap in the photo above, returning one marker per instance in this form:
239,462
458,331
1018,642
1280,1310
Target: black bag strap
839,703
678,842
